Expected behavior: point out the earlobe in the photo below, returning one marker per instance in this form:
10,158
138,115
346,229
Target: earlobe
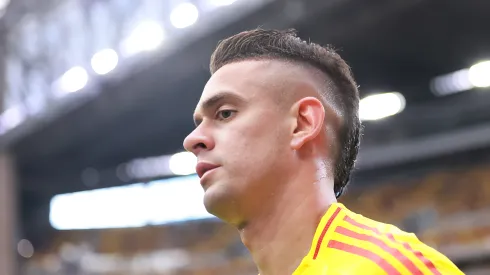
310,116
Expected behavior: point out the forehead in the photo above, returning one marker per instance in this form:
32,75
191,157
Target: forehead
248,79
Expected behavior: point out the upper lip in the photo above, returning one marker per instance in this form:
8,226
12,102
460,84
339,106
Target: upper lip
202,167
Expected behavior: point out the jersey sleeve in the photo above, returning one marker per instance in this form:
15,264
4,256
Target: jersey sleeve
417,259
347,243
436,262
391,250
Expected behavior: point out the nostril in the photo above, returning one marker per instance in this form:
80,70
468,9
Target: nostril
200,146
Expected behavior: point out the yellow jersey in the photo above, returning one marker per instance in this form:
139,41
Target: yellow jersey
348,243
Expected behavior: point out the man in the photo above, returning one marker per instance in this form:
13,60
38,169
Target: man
277,133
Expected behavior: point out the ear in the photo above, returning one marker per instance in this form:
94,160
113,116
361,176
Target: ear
310,115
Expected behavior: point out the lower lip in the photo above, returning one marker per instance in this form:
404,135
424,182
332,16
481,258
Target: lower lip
207,175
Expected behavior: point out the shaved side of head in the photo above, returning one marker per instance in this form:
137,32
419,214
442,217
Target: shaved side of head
308,68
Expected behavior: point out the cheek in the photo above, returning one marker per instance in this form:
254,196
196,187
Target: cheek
260,144
252,142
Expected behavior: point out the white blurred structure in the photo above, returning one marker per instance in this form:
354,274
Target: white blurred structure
183,163
11,118
73,80
136,205
184,15
219,3
379,106
25,248
3,6
146,36
477,76
104,61
49,52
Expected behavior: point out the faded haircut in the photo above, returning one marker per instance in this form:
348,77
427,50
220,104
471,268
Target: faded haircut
342,88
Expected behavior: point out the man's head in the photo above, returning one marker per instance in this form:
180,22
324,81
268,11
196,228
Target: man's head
272,104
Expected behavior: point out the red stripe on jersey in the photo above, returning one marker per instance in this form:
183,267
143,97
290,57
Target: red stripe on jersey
324,231
428,263
385,265
381,244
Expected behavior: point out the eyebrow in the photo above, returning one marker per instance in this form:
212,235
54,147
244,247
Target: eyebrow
214,101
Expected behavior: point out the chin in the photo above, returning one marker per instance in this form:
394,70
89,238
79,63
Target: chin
220,203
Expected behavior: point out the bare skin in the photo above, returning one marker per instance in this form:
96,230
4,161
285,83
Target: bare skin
268,132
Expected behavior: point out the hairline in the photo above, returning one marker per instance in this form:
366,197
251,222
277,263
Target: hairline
325,85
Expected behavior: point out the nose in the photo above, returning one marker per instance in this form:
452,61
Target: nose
198,141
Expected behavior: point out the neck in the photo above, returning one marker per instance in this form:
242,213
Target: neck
281,236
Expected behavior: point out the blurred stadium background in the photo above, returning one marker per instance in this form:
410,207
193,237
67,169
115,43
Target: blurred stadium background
96,97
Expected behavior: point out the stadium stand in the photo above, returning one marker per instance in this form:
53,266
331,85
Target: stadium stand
450,210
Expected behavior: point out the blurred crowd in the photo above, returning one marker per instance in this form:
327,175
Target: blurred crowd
449,210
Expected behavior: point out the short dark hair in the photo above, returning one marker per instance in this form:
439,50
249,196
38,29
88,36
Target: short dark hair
286,45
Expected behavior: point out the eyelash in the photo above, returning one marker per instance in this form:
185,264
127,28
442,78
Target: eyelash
225,110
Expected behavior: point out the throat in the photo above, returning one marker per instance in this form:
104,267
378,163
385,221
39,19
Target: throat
279,241
279,253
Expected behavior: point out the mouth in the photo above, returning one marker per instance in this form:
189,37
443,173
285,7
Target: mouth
204,167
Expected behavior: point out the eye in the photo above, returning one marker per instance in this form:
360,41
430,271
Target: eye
225,114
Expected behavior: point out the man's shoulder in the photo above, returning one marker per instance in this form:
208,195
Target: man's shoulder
365,225
360,243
